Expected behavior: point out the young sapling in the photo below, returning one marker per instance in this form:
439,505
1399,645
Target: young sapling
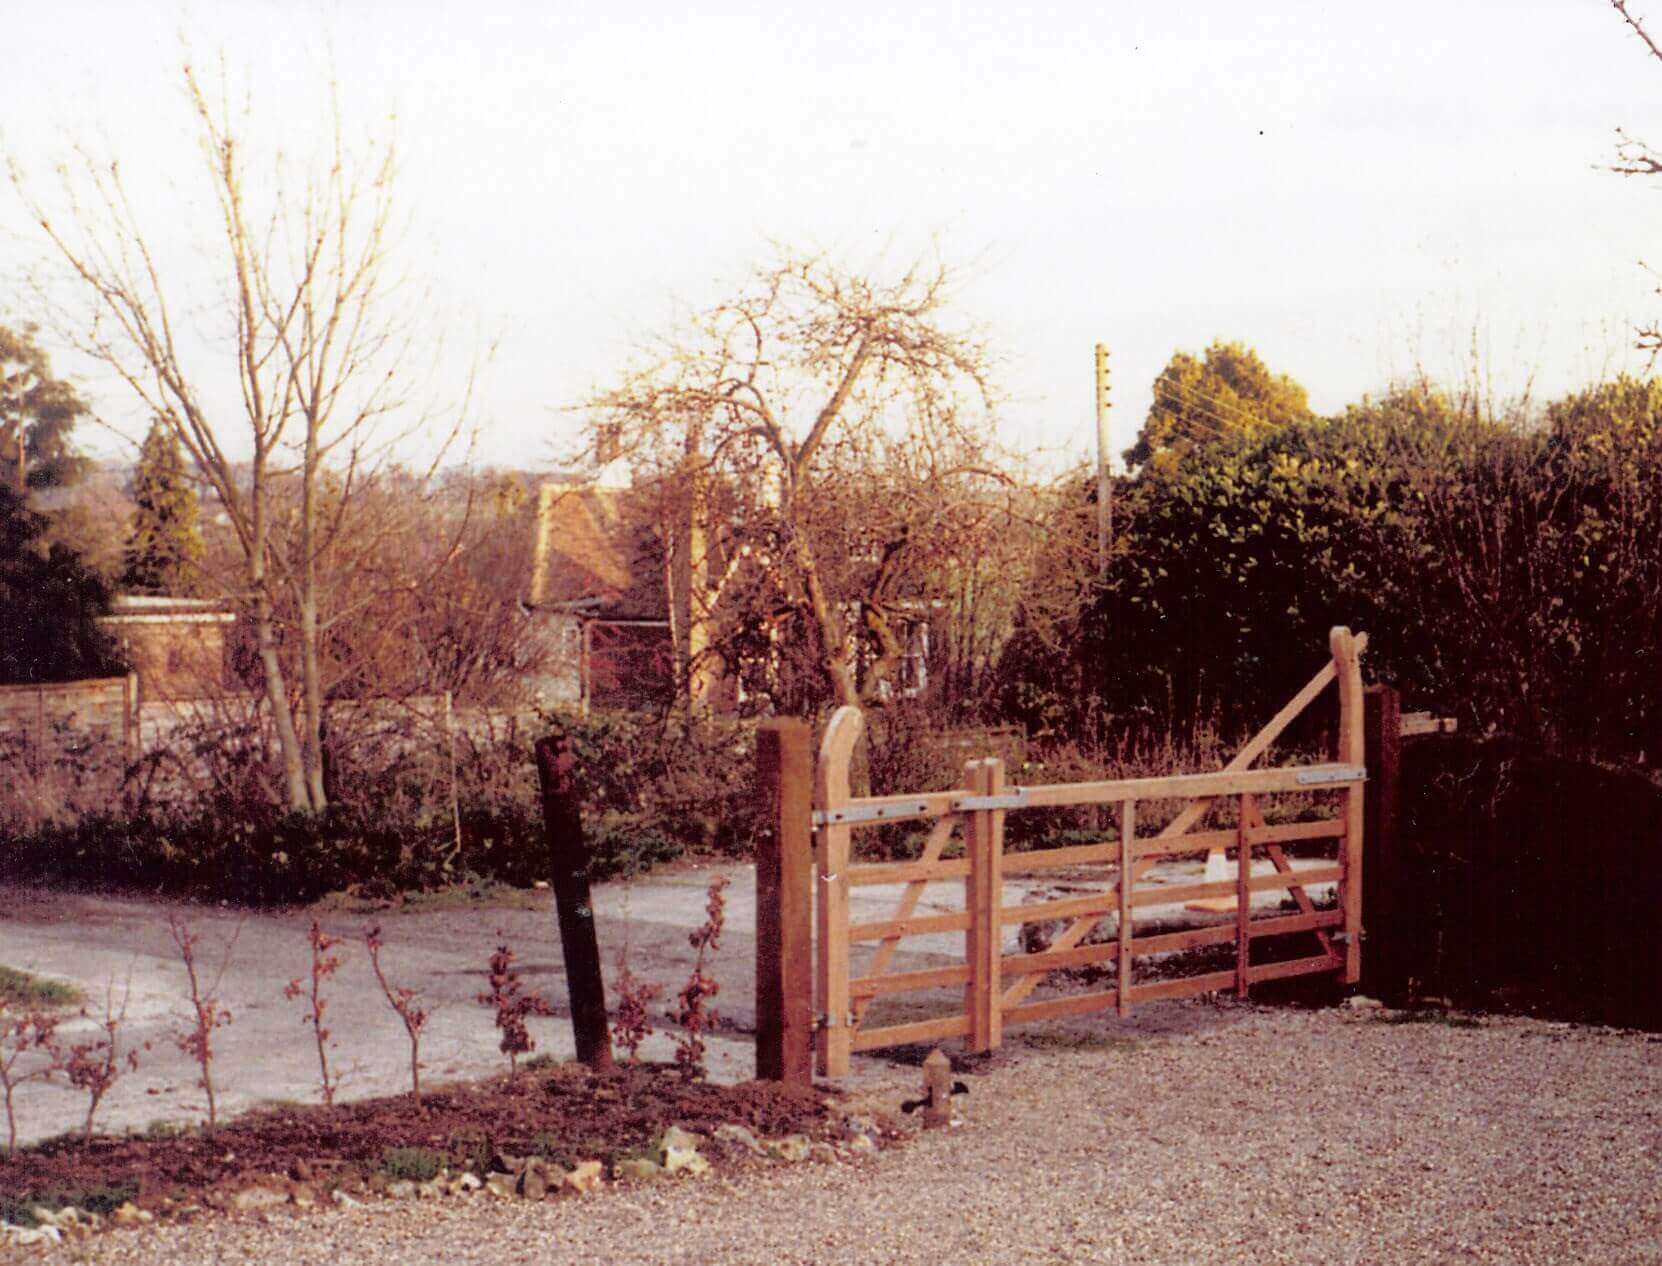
33,1034
325,963
513,1004
406,1002
690,1011
206,1012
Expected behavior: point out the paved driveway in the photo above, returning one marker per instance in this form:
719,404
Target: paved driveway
120,948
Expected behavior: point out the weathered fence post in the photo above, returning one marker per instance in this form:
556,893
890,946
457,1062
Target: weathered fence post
937,1090
784,904
569,859
1382,811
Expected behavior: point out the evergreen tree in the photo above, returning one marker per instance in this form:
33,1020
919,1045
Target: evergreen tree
164,545
1229,392
51,603
37,412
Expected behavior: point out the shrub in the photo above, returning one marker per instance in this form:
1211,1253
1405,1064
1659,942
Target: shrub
412,1164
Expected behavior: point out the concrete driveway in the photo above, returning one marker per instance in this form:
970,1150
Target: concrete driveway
120,948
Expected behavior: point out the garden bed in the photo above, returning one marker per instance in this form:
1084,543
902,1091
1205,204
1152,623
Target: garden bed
564,1114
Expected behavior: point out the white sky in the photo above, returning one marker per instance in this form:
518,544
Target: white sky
1352,189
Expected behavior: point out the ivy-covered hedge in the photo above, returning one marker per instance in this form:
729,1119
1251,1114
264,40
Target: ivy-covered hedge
1507,571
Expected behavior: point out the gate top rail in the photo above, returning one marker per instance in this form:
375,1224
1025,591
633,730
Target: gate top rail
868,810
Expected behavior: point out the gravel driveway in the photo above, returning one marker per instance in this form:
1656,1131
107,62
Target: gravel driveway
1195,1132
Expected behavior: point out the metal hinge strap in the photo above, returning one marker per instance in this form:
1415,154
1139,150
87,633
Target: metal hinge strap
1332,773
850,814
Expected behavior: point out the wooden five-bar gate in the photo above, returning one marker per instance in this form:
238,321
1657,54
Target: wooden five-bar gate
794,966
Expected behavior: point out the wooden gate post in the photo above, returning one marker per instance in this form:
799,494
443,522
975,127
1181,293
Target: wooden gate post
984,899
835,1003
784,904
569,858
1347,668
1382,739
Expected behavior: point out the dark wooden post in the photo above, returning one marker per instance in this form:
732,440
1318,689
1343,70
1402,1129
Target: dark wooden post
784,905
1382,812
569,857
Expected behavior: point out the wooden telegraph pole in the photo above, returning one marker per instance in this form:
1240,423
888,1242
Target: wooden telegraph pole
1104,482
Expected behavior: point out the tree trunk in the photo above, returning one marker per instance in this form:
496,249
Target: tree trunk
310,671
835,657
271,666
691,599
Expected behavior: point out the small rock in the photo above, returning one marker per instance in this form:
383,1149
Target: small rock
739,1136
432,1189
345,1201
1361,1002
501,1185
823,1152
585,1178
464,1184
302,1197
502,1163
30,1235
679,1139
43,1216
125,1214
861,1128
533,1180
250,1199
862,1145
791,1148
685,1160
640,1168
403,1189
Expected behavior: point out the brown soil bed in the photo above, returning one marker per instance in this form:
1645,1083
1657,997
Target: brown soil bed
565,1114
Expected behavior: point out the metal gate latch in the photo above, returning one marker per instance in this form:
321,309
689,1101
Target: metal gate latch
1015,798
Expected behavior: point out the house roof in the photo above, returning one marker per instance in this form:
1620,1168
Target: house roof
594,546
136,608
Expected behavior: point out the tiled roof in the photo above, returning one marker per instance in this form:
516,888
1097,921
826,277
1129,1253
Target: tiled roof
595,544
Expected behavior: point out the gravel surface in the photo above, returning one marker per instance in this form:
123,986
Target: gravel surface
1201,1132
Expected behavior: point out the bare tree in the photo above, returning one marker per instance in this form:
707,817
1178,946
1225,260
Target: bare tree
317,334
761,418
1635,157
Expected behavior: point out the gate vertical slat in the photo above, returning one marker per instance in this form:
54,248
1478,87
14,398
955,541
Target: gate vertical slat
1243,897
836,1034
1128,857
1347,666
983,899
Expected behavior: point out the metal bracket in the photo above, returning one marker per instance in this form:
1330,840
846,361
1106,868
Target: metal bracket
1014,798
1336,773
869,813
823,1021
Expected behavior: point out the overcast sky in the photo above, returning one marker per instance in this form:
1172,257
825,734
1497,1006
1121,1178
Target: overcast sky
1354,190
